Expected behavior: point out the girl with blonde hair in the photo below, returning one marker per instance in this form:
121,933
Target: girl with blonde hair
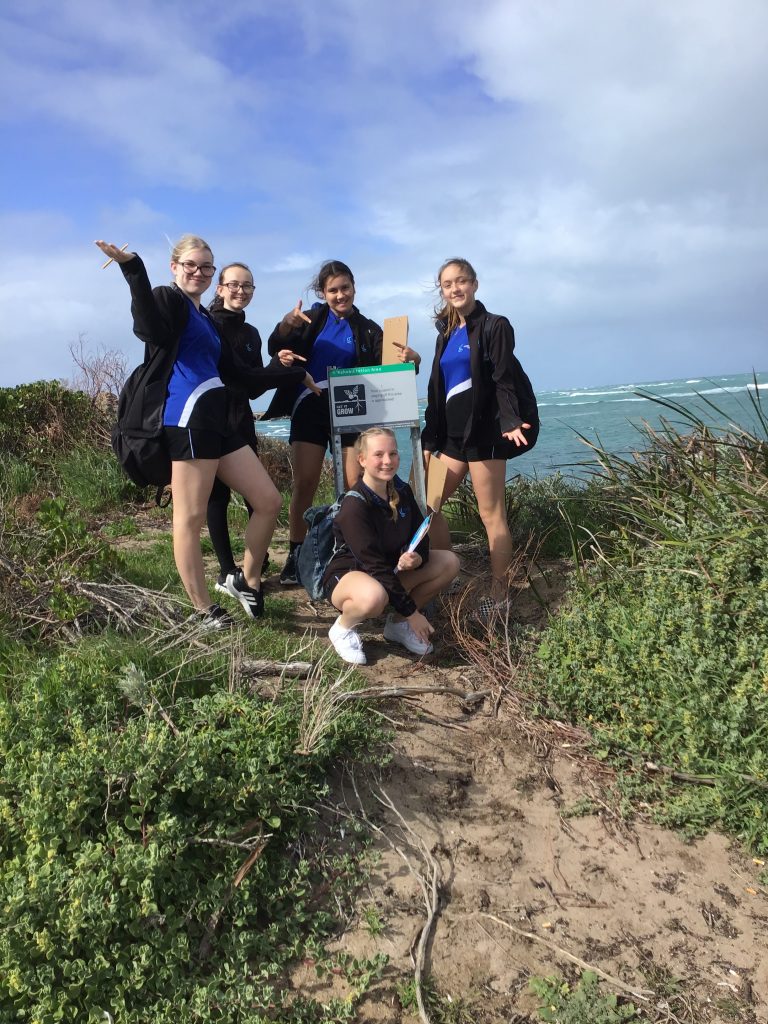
371,567
188,398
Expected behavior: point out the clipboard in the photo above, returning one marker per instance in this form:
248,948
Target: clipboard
437,471
421,530
395,332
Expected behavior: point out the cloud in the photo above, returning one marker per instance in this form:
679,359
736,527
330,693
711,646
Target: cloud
602,165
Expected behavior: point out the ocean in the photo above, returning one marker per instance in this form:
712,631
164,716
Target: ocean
611,416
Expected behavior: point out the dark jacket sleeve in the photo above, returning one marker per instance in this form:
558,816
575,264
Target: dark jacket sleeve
430,435
356,524
501,347
160,314
238,372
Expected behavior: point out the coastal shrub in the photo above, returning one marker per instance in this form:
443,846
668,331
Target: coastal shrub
42,419
551,510
662,648
155,862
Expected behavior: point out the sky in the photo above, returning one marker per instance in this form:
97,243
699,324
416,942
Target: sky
603,164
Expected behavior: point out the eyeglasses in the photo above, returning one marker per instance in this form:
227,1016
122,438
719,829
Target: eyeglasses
206,269
236,286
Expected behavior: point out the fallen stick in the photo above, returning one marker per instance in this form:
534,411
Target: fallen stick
265,667
468,696
638,993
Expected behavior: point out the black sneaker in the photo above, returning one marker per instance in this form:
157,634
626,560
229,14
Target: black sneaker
289,577
213,618
224,584
252,600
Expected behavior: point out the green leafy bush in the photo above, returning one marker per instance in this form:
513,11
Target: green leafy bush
150,856
39,420
662,648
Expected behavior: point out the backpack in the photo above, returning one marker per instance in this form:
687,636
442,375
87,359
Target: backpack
319,545
140,449
526,398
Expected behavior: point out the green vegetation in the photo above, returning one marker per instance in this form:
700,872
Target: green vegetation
160,848
662,649
583,1003
161,852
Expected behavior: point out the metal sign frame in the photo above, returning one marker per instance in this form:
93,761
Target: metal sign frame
384,402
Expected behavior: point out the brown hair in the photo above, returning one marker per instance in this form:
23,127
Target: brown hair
217,302
332,268
361,447
443,310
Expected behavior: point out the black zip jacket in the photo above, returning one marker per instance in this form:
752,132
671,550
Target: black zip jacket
243,371
160,316
368,540
501,392
368,338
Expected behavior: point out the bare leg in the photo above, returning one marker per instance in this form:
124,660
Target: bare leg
488,481
244,473
428,580
191,482
358,596
439,534
307,463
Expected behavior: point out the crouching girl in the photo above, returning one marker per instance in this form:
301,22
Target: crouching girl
371,566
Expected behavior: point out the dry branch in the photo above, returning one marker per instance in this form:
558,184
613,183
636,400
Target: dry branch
638,993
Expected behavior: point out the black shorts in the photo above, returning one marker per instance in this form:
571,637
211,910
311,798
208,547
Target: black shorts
332,583
311,423
186,443
486,451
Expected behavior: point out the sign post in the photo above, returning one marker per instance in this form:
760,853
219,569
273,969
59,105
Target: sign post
375,396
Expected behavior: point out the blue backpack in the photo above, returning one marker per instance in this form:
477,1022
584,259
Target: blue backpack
318,546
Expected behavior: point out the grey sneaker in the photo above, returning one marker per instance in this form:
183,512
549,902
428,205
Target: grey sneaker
490,611
347,644
401,633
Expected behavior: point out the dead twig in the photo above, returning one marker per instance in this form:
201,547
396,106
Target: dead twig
638,993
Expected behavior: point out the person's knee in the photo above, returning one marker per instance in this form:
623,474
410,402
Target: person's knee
188,523
371,601
269,502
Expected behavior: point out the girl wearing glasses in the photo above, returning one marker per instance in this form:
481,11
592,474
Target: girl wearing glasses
481,411
233,294
333,333
188,396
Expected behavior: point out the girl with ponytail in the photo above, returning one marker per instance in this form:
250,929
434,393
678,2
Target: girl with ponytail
371,566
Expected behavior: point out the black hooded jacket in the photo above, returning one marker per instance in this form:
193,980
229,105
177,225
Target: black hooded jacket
368,338
502,395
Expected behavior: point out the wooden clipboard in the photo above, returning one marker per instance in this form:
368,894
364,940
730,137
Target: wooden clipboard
395,333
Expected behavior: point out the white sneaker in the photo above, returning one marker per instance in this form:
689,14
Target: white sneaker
401,633
347,644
